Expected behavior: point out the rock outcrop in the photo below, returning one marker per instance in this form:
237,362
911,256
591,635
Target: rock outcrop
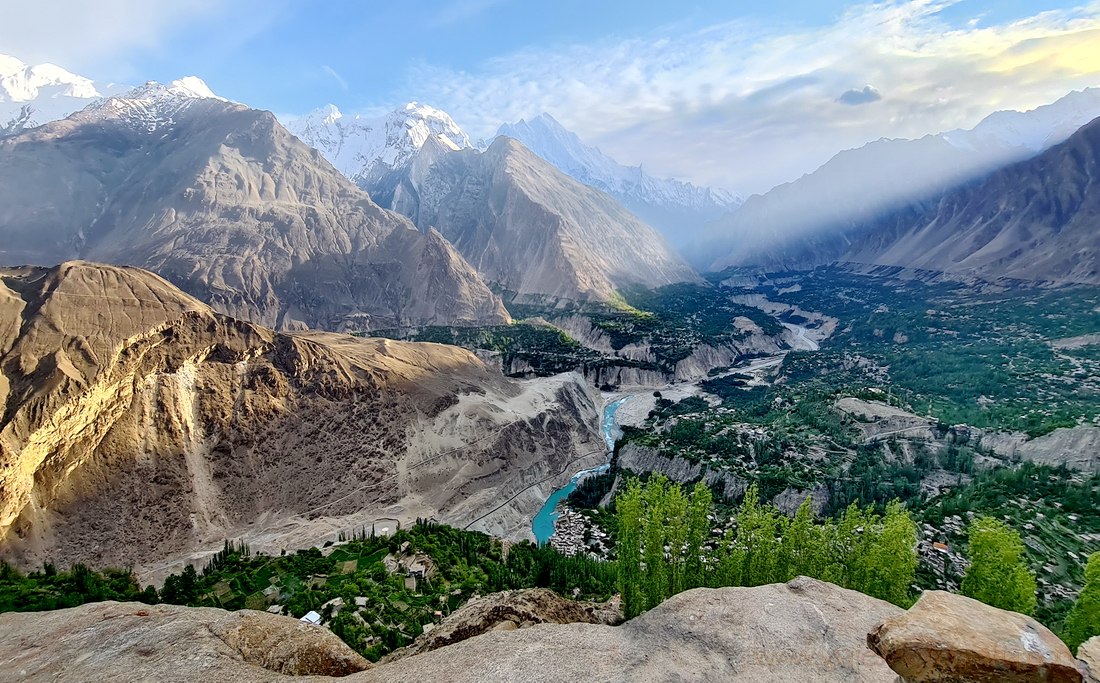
802,631
1088,653
1078,448
947,637
805,630
508,611
637,458
227,205
138,425
129,641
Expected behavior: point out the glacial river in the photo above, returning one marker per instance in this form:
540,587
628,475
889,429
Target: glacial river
543,524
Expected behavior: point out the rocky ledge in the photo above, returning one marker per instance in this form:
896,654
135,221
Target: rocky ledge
129,641
804,630
508,611
801,631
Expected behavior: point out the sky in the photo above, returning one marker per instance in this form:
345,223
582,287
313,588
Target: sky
725,93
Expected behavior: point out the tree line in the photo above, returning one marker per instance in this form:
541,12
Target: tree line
668,542
667,545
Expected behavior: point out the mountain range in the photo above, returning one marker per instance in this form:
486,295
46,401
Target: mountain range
789,226
507,218
676,208
526,227
1037,219
224,202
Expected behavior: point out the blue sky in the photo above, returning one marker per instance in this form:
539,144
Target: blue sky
778,86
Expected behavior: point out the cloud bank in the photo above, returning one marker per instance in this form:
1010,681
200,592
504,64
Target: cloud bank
746,106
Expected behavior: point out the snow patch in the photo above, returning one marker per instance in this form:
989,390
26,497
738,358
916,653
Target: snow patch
364,147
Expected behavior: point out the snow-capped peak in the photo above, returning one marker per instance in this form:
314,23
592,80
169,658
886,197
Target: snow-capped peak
190,87
33,95
193,86
560,146
154,106
362,147
1034,130
22,83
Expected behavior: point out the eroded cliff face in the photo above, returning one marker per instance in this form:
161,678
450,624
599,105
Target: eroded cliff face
140,426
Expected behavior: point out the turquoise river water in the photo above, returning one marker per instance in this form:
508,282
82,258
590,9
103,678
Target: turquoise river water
543,524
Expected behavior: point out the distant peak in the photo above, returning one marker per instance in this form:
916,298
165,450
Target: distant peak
10,65
362,146
424,111
195,87
326,115
22,83
190,87
547,119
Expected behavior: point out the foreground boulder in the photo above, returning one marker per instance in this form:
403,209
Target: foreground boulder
947,637
801,631
510,610
128,641
1089,654
805,630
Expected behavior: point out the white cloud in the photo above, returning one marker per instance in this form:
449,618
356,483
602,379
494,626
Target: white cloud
77,31
108,36
747,106
340,80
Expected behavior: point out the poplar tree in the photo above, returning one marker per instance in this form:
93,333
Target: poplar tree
698,530
890,562
998,575
1083,621
654,536
628,506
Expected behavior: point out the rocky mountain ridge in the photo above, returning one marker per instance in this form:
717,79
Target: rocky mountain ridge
139,427
807,221
675,208
528,228
224,202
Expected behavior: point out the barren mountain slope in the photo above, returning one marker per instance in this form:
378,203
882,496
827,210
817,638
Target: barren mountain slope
139,425
225,203
528,227
809,221
1034,220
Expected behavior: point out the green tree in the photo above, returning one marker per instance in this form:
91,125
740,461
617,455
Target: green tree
890,563
1083,621
654,537
628,507
998,575
674,511
697,532
756,536
801,548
